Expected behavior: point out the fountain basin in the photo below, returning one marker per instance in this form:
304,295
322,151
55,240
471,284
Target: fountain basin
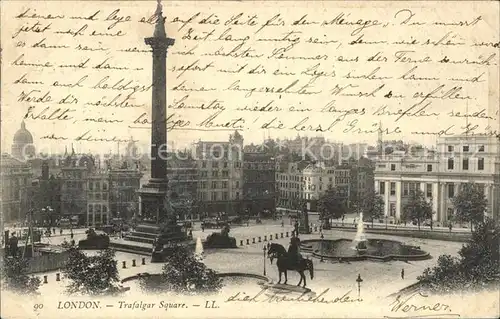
376,249
230,280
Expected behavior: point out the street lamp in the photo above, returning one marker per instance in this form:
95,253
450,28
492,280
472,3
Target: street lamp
322,247
264,251
359,281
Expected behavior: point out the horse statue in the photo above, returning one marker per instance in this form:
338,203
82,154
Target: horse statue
288,262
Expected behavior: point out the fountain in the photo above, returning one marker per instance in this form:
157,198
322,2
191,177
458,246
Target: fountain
360,238
198,251
362,248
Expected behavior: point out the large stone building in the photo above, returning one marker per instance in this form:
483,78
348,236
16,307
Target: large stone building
220,176
259,182
182,176
94,194
310,182
439,173
15,186
22,144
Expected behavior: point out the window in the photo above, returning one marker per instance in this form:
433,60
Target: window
450,148
215,164
393,188
428,190
451,163
215,174
465,164
224,184
480,163
214,184
451,190
465,148
105,186
237,184
214,196
237,195
393,167
225,164
481,148
225,196
203,164
225,173
91,208
91,186
429,167
382,188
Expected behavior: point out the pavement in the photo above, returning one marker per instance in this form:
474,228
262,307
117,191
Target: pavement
377,276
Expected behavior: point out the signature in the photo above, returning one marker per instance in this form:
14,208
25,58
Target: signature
275,297
410,305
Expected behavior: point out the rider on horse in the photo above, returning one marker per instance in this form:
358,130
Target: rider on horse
294,250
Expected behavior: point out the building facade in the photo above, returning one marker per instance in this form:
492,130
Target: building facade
15,186
439,174
306,184
220,176
259,182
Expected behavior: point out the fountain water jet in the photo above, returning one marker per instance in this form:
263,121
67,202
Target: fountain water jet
360,239
198,251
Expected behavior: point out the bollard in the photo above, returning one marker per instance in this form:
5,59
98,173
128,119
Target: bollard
315,228
260,239
45,280
270,237
241,242
58,277
133,263
124,264
281,235
248,241
253,240
265,238
286,234
143,260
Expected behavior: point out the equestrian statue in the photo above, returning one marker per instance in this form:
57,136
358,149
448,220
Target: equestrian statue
291,260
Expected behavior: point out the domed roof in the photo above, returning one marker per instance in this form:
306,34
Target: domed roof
23,136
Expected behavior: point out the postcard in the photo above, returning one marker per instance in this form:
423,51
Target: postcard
250,159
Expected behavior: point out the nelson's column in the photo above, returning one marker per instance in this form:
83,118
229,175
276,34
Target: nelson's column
154,194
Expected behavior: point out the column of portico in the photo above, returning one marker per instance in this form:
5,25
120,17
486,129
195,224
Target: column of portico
442,200
386,197
398,200
435,201
422,187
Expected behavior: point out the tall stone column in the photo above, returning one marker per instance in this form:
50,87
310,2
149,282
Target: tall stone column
398,200
154,194
442,202
386,198
435,201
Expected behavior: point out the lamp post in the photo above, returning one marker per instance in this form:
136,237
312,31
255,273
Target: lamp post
386,221
359,281
264,251
322,247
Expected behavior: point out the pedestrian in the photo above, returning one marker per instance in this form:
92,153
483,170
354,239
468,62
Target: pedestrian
202,227
403,273
60,231
54,231
71,235
282,223
449,226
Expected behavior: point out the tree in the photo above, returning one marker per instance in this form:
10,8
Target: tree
470,204
16,278
331,205
417,208
184,274
372,206
475,268
92,275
